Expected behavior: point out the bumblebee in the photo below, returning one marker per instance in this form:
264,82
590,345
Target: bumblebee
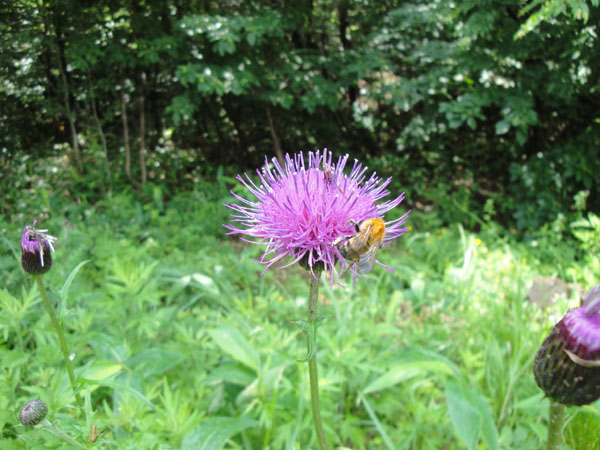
362,248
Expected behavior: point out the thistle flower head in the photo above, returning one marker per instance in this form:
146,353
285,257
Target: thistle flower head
33,412
301,209
36,250
567,365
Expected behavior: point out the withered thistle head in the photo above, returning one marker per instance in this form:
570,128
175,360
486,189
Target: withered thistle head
567,365
36,247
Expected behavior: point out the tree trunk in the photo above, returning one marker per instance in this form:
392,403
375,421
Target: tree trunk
60,46
100,130
343,6
207,107
233,113
142,131
62,65
275,136
125,130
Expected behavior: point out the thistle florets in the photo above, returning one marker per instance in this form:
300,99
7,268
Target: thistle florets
567,365
37,248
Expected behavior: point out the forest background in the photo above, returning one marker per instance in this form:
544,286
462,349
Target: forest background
123,123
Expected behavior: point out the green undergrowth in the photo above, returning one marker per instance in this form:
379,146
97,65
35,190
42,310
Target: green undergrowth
178,342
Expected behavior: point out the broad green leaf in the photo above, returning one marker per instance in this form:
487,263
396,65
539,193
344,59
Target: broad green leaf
154,361
471,415
202,281
100,370
231,341
464,415
231,373
502,127
212,433
404,371
489,432
119,387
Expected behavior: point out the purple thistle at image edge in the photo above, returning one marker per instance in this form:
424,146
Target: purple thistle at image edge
566,366
36,250
302,208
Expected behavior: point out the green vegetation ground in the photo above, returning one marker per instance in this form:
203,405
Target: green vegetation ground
176,335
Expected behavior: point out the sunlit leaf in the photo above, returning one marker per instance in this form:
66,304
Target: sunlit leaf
231,341
213,432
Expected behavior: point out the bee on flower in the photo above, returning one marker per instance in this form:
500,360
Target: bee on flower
363,246
317,215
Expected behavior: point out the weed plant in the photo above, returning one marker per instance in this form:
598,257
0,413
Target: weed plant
178,342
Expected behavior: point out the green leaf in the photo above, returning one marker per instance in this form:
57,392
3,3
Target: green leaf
204,282
401,372
100,370
231,341
13,358
378,425
64,290
502,127
311,329
154,361
471,415
464,415
119,387
521,136
583,431
214,432
231,373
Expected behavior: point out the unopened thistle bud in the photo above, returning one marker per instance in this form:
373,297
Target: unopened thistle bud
36,246
33,412
567,365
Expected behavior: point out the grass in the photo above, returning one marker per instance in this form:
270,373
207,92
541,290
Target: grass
178,341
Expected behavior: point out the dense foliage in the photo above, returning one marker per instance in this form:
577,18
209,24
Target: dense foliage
471,103
175,336
121,127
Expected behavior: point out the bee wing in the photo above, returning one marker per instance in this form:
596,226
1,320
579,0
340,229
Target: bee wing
362,238
358,240
368,258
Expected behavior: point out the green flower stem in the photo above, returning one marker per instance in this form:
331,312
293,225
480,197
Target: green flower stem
555,425
61,335
61,434
312,363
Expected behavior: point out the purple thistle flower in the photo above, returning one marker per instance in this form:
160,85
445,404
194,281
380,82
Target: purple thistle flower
567,365
302,208
36,247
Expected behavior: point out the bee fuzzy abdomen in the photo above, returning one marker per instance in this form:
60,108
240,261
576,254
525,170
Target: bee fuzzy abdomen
362,248
376,230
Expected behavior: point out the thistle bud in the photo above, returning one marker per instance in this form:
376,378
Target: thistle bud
36,246
567,365
33,412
